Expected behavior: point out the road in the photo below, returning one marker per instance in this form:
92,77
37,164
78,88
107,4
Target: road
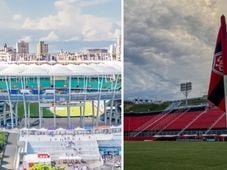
8,157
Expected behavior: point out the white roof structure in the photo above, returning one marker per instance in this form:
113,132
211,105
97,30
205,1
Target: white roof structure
106,69
12,69
82,69
60,70
33,68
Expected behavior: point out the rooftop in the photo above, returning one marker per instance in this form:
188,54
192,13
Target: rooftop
106,68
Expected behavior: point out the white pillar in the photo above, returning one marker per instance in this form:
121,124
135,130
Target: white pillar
54,101
116,112
29,116
111,112
68,115
93,112
70,86
4,113
105,114
16,111
11,114
112,101
25,115
83,120
40,116
54,115
81,110
38,87
97,113
9,100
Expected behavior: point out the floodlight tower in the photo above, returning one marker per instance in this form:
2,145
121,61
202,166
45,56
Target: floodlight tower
186,88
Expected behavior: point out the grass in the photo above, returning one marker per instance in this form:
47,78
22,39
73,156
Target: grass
34,110
195,101
148,107
61,112
175,155
44,167
75,111
130,107
3,139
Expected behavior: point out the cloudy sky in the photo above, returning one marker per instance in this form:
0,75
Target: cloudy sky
64,24
168,42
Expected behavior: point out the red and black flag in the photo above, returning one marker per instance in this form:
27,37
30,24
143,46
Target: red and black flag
216,92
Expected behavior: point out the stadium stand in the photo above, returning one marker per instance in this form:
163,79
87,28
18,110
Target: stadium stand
175,121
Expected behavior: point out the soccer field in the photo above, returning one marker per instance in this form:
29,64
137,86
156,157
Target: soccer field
175,155
60,111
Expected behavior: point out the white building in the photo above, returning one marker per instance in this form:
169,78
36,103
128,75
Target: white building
95,54
42,49
7,54
22,47
118,48
115,49
91,54
112,51
22,50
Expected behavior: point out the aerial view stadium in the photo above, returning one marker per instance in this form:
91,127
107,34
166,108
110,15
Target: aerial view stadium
60,85
63,89
67,116
175,112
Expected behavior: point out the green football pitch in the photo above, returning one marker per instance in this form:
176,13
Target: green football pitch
175,155
60,111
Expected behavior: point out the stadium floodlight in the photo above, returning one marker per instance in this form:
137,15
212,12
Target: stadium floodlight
185,88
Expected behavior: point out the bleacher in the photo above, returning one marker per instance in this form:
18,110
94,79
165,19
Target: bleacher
88,150
92,84
182,119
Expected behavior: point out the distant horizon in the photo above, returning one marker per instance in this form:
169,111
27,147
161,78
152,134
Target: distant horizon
65,46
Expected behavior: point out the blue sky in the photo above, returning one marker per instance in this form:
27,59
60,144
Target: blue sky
64,24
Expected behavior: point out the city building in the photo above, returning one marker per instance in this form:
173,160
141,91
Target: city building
91,54
118,48
115,49
95,54
22,47
42,49
7,53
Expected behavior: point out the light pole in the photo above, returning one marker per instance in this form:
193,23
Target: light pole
185,88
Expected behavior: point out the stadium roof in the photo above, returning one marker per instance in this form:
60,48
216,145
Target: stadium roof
59,69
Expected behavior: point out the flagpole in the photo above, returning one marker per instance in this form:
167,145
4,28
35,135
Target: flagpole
224,58
225,87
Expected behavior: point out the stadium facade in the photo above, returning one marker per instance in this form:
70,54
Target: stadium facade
194,122
89,145
57,85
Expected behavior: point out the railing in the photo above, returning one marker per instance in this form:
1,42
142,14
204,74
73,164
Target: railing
216,121
150,122
190,123
172,121
61,97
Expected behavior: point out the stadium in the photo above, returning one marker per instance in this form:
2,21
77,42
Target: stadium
180,134
177,122
179,137
74,109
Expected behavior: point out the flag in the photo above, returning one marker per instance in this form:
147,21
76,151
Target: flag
216,93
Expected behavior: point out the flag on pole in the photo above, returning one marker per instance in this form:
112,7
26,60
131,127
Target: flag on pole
216,92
